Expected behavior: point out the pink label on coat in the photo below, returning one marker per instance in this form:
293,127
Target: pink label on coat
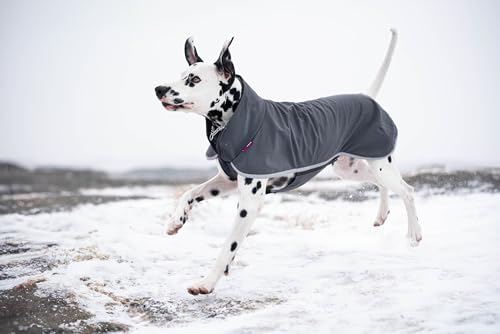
247,146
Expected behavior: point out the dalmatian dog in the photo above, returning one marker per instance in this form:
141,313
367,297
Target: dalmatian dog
213,90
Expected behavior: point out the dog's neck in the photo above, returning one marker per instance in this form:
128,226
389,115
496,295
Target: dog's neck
223,107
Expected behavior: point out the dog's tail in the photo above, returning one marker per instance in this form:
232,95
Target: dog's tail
379,79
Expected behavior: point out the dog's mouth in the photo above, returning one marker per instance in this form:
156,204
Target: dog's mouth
174,107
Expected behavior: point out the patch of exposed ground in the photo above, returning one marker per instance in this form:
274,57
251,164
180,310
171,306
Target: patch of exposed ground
56,203
24,310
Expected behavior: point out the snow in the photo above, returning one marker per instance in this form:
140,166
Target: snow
308,265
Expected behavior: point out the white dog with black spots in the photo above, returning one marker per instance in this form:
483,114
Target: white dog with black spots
213,91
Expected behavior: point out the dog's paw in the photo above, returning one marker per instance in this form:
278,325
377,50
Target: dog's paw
173,228
414,236
175,224
380,220
176,221
202,287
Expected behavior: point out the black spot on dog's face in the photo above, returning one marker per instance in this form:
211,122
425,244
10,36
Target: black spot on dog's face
233,246
192,80
243,213
199,199
190,201
214,192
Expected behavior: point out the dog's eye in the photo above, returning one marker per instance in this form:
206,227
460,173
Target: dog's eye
196,79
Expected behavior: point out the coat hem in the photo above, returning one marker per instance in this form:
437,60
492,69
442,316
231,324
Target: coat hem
307,168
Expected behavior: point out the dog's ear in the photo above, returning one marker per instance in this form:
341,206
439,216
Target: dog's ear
224,64
190,52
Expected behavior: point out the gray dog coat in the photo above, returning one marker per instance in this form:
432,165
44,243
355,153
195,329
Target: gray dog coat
265,139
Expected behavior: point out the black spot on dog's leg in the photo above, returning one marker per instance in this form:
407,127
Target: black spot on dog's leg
257,187
389,159
199,198
355,171
248,180
380,169
233,246
226,272
243,213
351,162
214,192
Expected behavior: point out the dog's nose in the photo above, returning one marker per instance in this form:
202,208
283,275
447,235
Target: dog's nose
161,91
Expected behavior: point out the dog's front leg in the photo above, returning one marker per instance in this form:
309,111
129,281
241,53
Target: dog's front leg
216,186
252,193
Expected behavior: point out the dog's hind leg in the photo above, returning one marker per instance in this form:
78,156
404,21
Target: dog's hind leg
383,207
388,176
216,186
349,168
252,192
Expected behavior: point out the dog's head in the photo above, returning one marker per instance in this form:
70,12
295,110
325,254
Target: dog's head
201,85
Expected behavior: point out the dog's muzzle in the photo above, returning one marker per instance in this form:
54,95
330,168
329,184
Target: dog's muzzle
161,91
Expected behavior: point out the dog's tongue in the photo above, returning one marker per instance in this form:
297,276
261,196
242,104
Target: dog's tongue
168,106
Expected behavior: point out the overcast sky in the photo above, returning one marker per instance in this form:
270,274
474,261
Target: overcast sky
77,77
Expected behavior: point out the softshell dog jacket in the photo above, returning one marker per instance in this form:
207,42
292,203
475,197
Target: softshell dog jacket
265,139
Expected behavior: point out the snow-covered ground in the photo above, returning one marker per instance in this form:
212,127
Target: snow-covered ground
309,264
